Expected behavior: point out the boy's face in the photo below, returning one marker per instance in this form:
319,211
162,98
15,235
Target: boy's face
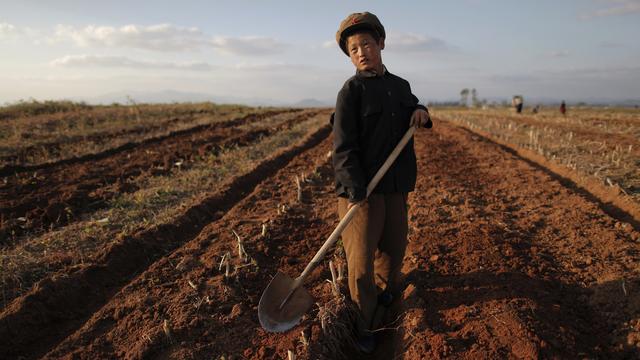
365,52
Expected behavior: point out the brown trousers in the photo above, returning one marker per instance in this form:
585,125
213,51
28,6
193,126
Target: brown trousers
374,244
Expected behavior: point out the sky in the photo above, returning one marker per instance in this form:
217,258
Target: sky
285,51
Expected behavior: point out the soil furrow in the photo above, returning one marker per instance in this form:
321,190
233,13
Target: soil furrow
60,304
610,199
59,195
506,261
492,269
20,158
16,169
218,316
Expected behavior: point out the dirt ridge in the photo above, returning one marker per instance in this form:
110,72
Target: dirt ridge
38,320
61,194
14,169
153,294
610,199
102,137
494,270
500,264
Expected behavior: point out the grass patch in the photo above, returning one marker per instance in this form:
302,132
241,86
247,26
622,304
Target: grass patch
33,107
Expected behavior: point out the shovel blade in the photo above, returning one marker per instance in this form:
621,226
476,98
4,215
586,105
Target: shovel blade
275,318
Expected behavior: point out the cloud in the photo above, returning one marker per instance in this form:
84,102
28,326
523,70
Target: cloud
406,42
272,68
609,44
124,62
8,30
410,42
611,73
559,53
615,8
595,73
579,83
247,45
162,37
330,44
513,78
165,38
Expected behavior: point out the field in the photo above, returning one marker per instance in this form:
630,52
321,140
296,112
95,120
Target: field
120,228
598,143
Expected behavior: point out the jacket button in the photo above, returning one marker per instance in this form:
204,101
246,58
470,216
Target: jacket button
393,114
389,92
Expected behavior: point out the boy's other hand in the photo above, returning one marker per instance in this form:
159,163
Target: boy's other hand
419,118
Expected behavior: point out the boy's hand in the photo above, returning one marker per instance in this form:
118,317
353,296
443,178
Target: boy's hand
352,204
419,118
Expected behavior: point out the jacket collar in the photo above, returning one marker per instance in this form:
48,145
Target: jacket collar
371,73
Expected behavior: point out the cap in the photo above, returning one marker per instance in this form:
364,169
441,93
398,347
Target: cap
355,21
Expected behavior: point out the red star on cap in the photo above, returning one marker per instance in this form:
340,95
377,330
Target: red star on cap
355,21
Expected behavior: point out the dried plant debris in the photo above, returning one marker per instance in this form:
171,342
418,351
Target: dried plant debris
337,339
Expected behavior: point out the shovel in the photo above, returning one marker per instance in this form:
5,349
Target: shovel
284,301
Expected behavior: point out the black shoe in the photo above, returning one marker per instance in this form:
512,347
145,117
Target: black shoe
366,343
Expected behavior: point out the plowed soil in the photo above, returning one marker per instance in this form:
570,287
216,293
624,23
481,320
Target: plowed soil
506,260
56,194
16,162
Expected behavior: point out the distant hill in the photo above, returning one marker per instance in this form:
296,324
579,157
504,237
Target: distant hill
171,96
310,103
165,96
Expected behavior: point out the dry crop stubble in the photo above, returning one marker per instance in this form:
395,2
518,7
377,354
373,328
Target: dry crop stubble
30,138
500,262
56,193
489,272
158,200
603,144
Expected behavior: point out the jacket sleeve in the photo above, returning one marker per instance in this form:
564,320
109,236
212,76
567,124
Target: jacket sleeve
429,124
347,156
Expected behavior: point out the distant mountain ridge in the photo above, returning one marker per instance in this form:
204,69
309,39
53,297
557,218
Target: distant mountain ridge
170,96
310,103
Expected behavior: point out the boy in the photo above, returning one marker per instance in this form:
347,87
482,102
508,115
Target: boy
374,109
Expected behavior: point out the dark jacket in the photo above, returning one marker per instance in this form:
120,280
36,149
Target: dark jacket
372,114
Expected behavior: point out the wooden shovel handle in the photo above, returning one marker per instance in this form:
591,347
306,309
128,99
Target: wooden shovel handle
349,215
